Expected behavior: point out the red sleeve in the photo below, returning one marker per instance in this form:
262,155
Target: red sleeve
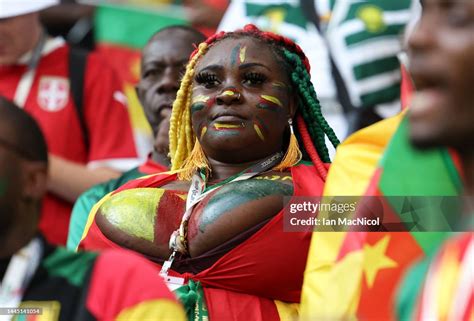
122,281
110,133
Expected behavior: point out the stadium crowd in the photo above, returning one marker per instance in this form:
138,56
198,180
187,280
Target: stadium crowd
150,151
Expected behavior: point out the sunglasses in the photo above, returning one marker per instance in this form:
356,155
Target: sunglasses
11,147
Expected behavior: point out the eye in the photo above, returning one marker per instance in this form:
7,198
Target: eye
458,18
152,72
254,78
207,79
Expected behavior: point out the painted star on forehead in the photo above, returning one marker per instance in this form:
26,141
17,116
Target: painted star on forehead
376,260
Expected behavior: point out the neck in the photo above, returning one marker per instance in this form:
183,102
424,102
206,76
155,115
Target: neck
221,171
160,158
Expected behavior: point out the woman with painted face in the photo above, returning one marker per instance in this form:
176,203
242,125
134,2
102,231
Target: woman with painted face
246,134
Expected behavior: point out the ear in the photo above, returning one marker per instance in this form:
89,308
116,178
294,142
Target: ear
35,179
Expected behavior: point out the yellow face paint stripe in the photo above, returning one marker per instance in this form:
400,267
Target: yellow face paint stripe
242,54
272,99
219,126
259,132
228,93
200,99
203,131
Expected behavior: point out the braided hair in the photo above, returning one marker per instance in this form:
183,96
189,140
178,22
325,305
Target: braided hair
312,127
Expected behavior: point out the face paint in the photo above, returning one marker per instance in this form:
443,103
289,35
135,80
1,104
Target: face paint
259,132
219,129
199,103
280,86
230,91
262,123
234,55
121,211
270,102
203,131
242,54
232,196
220,126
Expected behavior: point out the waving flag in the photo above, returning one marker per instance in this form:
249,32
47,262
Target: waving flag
354,275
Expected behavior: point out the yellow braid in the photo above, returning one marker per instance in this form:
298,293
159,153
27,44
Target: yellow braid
181,134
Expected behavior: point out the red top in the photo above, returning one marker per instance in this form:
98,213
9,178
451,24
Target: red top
49,101
265,267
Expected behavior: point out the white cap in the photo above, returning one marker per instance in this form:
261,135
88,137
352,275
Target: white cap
12,8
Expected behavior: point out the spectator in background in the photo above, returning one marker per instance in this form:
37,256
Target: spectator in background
441,62
88,143
205,15
163,62
355,43
114,285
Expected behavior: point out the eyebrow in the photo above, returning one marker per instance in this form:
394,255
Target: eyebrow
212,67
252,64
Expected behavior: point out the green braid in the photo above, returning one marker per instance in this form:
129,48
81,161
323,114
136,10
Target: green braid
310,107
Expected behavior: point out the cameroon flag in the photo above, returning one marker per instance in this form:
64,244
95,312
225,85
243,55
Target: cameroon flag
354,275
121,31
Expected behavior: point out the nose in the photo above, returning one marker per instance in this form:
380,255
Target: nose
422,35
169,82
229,96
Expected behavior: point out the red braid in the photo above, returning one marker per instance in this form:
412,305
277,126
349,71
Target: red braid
308,145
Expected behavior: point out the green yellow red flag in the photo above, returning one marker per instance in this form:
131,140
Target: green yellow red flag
354,275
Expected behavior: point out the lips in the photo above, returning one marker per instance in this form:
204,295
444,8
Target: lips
228,116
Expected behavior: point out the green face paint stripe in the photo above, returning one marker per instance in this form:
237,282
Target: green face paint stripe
272,99
197,107
223,133
133,211
243,50
234,54
233,195
268,107
262,123
259,132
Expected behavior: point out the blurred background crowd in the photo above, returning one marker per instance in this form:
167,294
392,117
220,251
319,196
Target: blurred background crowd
116,130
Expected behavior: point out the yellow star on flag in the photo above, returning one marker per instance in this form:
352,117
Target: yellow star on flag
375,260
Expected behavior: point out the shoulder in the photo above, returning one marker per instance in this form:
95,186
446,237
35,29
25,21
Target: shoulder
153,180
306,179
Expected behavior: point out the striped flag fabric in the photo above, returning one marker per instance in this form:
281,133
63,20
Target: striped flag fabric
354,275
